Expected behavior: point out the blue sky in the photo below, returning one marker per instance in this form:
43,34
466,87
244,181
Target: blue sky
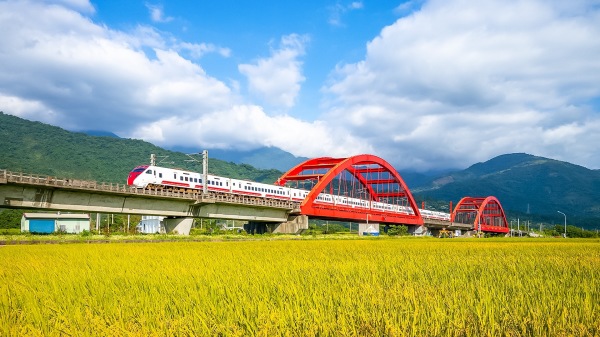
427,85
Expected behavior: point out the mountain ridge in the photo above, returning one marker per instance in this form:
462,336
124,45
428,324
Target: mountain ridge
525,182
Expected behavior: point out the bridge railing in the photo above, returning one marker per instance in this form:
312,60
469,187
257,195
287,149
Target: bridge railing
45,180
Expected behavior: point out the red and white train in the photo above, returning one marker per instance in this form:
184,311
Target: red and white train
148,176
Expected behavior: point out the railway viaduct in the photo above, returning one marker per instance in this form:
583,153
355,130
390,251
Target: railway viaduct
30,191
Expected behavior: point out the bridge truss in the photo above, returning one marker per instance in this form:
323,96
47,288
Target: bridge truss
366,178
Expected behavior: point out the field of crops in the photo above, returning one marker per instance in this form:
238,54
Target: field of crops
371,287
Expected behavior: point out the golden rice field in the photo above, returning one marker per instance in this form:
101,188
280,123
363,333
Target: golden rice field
371,287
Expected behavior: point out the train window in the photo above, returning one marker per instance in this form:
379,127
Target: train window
149,172
181,178
160,175
186,178
175,176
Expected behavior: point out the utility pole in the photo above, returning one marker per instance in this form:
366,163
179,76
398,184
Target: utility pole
205,171
565,222
152,159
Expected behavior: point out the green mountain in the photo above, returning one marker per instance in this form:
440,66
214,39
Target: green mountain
34,147
526,184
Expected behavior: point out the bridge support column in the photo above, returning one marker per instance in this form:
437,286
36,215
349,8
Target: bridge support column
295,225
368,229
181,226
417,230
256,227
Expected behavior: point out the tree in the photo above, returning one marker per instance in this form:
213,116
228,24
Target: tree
10,218
399,230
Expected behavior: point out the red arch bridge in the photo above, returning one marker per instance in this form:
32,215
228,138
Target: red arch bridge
366,188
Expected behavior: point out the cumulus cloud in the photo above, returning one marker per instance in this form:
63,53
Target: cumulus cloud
277,79
250,127
59,67
460,81
447,85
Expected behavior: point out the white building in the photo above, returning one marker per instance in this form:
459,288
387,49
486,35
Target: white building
150,224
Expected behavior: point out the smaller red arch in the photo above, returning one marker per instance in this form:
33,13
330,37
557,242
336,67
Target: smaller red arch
485,213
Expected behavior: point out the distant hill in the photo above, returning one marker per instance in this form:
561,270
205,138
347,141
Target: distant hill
262,158
34,147
523,183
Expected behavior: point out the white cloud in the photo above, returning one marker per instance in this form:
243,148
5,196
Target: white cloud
82,6
451,84
251,127
59,67
157,13
277,79
197,50
460,81
27,109
338,10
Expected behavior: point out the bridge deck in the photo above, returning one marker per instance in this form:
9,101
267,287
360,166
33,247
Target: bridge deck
8,177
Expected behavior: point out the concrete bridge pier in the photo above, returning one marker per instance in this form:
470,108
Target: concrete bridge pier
418,230
181,226
296,224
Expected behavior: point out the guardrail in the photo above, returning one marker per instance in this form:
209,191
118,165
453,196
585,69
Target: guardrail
90,185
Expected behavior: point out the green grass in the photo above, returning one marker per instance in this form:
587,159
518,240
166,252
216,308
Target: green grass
360,287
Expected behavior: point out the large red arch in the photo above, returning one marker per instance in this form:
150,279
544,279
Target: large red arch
485,213
362,167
